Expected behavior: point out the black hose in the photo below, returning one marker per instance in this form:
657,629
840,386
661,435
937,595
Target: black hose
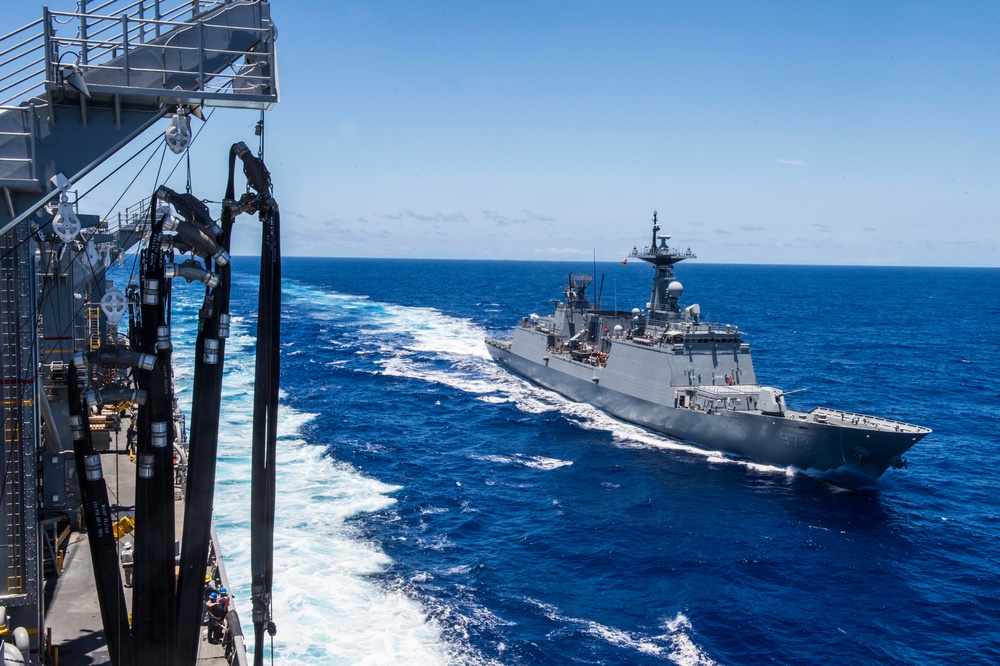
265,413
153,586
203,450
97,516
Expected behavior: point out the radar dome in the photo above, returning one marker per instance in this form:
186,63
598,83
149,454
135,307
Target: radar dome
675,289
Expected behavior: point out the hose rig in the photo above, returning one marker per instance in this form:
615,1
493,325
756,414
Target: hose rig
167,607
206,399
259,199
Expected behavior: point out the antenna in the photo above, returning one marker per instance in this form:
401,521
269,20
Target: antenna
596,297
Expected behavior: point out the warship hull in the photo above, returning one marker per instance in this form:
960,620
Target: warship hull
666,370
803,444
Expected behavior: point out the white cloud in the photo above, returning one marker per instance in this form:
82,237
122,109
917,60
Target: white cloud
790,161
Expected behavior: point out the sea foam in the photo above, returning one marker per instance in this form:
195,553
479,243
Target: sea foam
327,608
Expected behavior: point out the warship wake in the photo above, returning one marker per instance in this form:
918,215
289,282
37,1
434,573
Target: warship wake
665,369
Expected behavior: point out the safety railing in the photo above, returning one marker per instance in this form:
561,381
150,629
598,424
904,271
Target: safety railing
21,126
22,70
95,23
133,217
22,62
100,36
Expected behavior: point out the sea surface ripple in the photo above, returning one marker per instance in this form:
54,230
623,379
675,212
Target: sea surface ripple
433,509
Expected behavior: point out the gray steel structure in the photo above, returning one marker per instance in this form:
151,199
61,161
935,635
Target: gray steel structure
666,370
20,556
75,88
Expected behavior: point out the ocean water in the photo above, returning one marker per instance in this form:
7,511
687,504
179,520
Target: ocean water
434,509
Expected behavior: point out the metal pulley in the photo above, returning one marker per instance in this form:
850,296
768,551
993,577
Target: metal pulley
92,256
114,305
178,134
66,224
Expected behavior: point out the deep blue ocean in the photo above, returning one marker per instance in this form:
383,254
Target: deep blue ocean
434,509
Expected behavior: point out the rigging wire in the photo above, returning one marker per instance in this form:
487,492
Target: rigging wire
26,322
134,155
260,145
43,297
79,255
158,137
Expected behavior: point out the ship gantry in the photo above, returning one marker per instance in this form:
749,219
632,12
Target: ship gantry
96,454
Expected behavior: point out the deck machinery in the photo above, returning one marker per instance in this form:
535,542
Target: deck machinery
75,88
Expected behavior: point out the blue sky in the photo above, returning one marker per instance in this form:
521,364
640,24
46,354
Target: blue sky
773,132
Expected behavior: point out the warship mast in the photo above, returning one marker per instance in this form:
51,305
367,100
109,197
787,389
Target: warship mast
666,290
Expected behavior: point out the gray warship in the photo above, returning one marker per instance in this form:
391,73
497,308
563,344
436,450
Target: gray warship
669,371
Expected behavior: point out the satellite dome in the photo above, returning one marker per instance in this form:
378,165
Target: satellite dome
675,289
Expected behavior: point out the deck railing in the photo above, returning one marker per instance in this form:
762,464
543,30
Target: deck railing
100,36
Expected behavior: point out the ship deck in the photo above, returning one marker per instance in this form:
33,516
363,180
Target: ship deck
73,616
837,416
821,415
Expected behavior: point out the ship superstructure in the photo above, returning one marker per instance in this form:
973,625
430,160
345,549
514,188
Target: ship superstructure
88,391
664,368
